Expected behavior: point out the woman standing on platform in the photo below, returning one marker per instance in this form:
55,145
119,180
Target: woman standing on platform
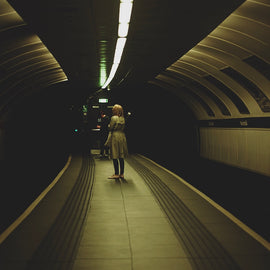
117,143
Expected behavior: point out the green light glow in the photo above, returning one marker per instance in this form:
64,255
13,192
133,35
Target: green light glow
102,63
103,74
103,100
84,108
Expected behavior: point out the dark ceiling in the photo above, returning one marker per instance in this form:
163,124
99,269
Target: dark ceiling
213,55
78,32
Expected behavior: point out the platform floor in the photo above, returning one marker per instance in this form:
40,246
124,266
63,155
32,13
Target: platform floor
126,228
149,220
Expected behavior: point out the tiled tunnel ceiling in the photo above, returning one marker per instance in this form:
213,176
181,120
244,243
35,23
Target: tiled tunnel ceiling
218,65
227,74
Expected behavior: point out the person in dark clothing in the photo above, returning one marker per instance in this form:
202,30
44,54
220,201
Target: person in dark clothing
103,134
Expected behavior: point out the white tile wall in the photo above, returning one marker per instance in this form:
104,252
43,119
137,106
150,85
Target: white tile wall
247,148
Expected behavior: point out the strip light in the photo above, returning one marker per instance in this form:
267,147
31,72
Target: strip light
123,26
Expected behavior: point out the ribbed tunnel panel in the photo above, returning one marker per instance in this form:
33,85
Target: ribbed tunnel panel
242,35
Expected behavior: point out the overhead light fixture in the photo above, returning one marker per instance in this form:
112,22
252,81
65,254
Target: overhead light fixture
120,44
123,29
123,26
125,12
112,73
103,100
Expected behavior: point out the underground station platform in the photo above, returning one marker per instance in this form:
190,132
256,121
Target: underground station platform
151,219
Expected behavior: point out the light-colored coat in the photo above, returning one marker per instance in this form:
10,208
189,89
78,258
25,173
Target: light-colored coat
118,144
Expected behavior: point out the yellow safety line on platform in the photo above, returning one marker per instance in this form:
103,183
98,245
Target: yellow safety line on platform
243,226
27,212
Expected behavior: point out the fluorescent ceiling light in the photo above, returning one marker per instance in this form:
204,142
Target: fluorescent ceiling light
120,44
124,18
125,12
113,70
123,29
112,73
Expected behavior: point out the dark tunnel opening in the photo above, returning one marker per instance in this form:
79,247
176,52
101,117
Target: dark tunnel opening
36,148
160,127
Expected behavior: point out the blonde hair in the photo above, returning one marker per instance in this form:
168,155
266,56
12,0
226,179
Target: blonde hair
117,110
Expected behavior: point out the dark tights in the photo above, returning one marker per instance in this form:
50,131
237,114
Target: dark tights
116,166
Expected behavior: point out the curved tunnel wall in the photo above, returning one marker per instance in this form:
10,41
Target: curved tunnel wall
225,80
27,68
